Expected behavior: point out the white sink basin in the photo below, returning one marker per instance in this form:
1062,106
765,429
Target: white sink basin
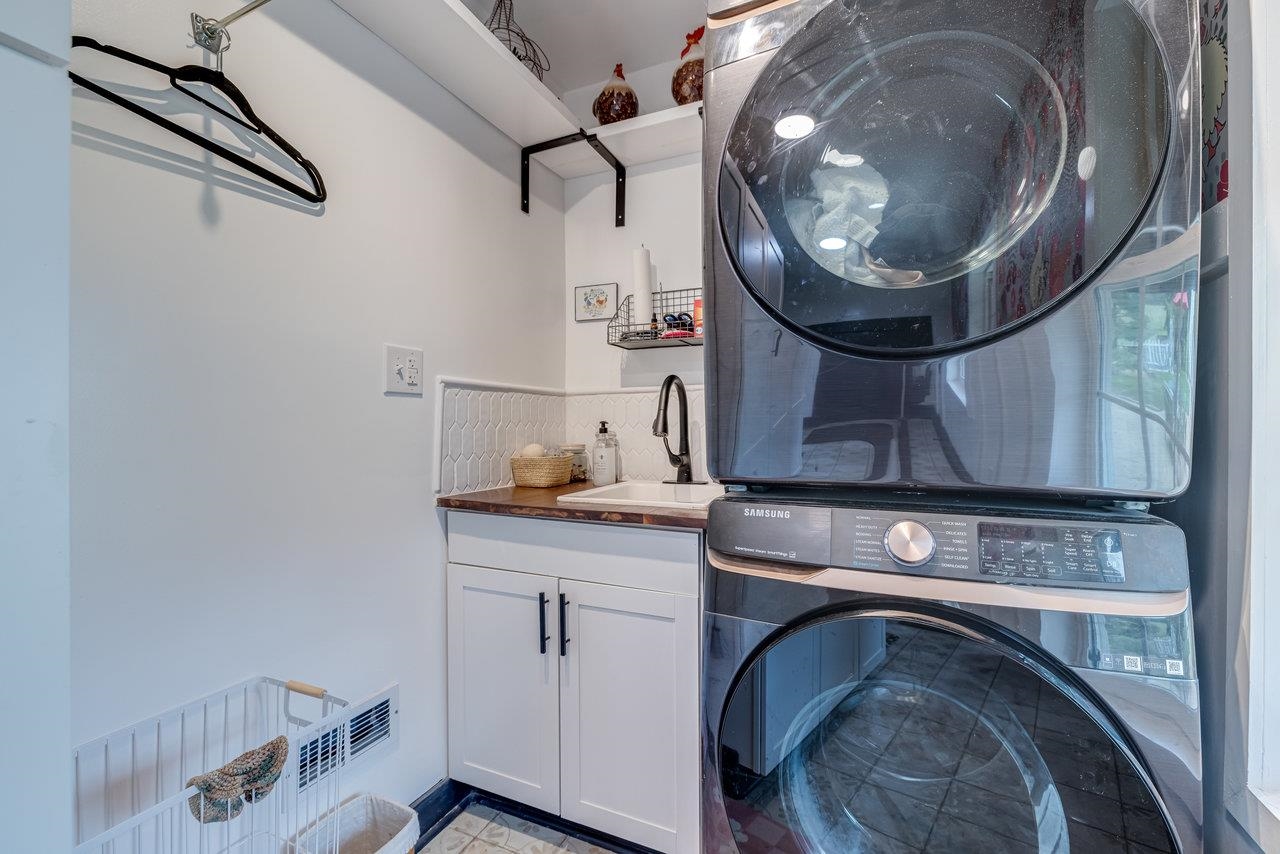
648,493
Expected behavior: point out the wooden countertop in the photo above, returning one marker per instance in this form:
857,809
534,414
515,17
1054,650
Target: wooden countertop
541,504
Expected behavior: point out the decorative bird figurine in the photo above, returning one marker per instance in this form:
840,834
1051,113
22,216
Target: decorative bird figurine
686,81
617,101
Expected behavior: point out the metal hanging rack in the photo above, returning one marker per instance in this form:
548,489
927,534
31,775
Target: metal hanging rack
211,33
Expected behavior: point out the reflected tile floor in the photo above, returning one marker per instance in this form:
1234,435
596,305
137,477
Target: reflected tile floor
921,772
481,829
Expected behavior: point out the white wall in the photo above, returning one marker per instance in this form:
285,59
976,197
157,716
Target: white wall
38,28
34,503
664,212
246,500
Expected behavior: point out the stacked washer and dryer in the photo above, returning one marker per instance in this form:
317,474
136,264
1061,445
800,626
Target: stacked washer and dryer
951,260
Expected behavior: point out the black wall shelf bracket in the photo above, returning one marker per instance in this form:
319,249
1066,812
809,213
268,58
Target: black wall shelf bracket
619,171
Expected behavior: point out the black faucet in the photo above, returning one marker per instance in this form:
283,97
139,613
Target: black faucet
683,461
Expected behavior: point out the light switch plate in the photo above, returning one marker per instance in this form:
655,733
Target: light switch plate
403,370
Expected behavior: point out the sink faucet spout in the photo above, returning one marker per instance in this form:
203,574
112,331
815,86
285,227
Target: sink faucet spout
683,460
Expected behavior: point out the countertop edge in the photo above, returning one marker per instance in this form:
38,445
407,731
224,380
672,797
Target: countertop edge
541,504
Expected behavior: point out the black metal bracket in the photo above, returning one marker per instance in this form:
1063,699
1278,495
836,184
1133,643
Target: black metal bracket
619,171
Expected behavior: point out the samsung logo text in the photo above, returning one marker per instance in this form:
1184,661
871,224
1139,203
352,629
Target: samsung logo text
766,513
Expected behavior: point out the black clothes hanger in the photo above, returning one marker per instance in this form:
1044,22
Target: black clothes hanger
219,81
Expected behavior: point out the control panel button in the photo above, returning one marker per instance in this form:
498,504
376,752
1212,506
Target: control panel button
909,543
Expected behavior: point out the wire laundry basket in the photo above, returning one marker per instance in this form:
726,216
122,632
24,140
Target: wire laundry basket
131,792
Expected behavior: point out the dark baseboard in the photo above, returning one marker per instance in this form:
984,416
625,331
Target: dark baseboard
439,806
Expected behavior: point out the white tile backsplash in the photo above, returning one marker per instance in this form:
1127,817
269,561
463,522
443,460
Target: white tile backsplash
630,415
481,425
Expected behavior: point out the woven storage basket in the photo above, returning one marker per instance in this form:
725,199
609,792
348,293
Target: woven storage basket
542,471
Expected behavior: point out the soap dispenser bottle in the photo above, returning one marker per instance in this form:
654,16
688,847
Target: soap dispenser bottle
604,457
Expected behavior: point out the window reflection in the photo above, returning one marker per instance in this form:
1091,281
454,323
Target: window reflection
1146,383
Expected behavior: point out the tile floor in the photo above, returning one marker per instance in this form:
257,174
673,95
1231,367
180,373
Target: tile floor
481,829
947,747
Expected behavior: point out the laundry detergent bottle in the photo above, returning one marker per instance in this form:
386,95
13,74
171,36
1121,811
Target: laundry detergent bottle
604,457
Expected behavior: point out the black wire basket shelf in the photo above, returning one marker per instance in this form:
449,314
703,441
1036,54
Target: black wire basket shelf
670,322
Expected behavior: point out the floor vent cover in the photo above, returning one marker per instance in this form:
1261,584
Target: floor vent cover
371,729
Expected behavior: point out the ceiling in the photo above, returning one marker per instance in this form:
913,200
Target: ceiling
583,39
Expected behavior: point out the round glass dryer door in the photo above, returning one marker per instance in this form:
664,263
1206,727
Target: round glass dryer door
889,736
908,177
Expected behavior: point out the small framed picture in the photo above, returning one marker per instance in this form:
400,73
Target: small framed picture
595,302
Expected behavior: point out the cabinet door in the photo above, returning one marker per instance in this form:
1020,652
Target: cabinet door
504,684
788,679
870,644
629,714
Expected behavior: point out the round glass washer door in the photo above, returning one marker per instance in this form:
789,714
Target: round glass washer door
891,736
909,176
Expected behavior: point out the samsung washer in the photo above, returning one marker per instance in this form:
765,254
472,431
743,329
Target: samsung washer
889,677
953,245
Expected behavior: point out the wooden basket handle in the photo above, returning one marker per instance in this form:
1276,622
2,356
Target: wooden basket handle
303,688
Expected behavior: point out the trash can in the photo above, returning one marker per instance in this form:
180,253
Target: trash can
366,824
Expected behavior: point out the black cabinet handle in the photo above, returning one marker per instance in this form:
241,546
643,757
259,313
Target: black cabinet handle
543,637
564,627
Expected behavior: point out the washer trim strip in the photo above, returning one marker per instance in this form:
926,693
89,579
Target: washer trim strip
1114,603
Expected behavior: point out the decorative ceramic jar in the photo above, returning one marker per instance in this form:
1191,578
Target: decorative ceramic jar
581,462
686,81
617,101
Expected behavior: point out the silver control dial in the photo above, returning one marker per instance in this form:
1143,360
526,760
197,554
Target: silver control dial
909,543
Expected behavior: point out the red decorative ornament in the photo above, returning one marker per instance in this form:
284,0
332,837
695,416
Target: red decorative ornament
686,82
617,101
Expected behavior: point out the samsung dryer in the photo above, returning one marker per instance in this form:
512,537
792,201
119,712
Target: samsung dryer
892,678
953,245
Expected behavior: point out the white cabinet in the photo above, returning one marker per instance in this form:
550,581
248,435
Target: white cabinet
628,689
573,672
504,685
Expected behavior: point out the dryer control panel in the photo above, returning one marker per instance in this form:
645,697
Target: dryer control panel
1050,551
1079,549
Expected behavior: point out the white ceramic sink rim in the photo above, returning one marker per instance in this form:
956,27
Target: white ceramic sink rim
649,493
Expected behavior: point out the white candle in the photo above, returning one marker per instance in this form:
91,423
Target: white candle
642,286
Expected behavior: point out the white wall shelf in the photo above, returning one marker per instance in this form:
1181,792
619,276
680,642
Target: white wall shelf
644,139
448,42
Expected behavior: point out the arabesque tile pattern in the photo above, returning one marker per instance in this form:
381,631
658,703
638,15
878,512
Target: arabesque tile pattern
482,427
